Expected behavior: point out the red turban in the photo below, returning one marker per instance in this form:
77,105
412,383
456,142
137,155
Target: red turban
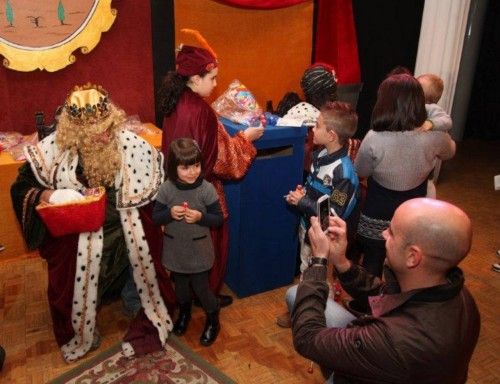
194,61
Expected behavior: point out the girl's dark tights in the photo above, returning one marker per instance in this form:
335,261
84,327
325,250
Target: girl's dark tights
200,286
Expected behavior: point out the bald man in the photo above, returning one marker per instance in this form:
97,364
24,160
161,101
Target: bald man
424,323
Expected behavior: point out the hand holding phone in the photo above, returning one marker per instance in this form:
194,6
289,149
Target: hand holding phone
323,212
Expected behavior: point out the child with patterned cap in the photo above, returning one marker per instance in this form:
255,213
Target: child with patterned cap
319,84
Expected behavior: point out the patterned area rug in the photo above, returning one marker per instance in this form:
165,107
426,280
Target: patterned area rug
177,364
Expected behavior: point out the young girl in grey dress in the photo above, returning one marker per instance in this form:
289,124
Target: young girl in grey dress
187,206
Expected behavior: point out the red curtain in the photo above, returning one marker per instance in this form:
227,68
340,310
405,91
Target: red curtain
336,42
261,4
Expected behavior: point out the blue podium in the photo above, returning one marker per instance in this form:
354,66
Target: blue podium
262,226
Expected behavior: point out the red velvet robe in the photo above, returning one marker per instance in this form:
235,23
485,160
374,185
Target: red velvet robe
193,118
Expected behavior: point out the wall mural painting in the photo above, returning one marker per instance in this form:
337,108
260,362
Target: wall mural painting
44,34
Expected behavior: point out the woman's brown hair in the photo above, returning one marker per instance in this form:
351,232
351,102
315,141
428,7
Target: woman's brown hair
400,105
172,87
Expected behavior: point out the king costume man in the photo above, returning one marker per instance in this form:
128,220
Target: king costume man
90,148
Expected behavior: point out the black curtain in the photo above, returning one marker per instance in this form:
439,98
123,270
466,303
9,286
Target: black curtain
163,46
483,118
388,33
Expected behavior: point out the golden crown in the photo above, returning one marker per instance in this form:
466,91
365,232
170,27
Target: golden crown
88,103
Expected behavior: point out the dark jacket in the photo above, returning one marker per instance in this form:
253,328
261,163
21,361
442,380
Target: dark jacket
421,336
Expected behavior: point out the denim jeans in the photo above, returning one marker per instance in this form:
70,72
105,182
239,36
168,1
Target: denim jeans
130,296
335,314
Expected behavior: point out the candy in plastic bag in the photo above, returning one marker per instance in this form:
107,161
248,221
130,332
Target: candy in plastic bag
238,104
9,139
17,151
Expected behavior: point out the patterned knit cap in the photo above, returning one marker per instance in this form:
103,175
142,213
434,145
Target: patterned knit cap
319,78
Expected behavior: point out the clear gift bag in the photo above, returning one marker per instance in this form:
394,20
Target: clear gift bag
238,104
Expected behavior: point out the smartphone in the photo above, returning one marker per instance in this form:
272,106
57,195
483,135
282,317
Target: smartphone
323,210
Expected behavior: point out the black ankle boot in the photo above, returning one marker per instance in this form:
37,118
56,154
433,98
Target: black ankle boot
182,322
212,328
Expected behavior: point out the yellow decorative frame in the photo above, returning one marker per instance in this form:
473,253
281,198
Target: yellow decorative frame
54,58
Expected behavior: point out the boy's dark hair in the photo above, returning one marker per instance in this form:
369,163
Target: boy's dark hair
183,151
400,105
341,118
433,87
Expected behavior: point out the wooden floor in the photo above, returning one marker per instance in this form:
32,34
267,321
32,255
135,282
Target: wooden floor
251,348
